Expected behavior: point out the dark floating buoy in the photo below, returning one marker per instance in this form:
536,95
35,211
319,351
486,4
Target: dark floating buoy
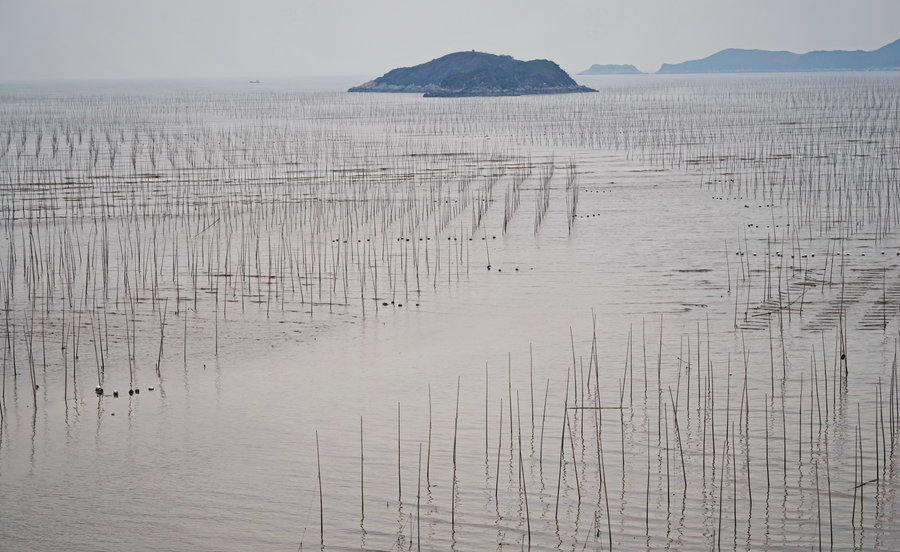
98,390
843,356
489,267
517,269
131,391
115,393
399,304
384,303
150,388
137,391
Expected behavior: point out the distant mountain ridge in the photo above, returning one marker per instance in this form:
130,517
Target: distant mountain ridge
476,74
611,70
735,60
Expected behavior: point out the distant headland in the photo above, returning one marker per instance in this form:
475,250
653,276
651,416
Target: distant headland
734,60
474,73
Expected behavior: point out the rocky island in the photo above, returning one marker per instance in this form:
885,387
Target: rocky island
611,70
476,74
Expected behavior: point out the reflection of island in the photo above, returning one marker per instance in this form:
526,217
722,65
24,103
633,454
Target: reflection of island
255,82
611,70
762,61
476,74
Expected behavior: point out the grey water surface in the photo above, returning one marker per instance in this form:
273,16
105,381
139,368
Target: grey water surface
613,320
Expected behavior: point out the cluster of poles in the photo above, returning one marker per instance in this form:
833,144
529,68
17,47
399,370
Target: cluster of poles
679,447
133,229
127,236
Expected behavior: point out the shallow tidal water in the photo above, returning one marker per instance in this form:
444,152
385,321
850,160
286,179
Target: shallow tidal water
663,316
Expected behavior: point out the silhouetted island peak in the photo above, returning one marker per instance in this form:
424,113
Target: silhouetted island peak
611,70
476,74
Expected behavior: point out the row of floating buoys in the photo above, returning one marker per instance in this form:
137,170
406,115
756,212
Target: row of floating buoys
778,254
135,391
386,304
338,240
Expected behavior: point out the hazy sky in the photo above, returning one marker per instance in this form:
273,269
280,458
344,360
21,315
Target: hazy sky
64,39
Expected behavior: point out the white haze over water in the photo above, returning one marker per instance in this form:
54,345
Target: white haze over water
88,39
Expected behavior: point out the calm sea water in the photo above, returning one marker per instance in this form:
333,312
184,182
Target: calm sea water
382,328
